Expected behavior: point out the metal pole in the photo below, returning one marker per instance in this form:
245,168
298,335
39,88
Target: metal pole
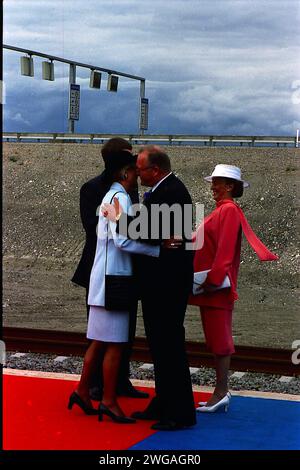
72,73
66,61
142,95
72,80
297,138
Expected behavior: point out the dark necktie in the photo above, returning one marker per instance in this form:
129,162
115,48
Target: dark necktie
147,194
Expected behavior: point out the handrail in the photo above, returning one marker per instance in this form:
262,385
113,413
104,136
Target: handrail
211,140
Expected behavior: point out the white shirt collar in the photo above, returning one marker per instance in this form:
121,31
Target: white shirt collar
160,181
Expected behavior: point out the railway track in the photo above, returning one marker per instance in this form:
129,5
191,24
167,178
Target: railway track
246,358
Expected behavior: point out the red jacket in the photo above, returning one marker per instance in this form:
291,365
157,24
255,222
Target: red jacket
221,253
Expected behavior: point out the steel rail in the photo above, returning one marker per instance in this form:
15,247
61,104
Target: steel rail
176,139
169,138
246,358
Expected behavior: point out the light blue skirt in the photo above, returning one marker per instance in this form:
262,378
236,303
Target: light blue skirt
108,325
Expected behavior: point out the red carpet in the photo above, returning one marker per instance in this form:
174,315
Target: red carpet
35,417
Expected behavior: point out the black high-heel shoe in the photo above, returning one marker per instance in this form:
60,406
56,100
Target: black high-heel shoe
76,399
103,410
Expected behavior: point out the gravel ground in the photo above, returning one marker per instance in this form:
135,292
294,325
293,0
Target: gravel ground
43,237
204,376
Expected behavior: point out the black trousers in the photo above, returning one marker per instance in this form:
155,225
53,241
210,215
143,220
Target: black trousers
97,380
164,319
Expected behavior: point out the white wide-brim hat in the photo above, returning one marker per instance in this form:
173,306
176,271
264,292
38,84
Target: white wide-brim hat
227,171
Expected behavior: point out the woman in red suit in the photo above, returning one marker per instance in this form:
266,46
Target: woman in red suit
220,254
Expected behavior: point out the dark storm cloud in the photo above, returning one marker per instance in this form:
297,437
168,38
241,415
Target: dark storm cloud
211,66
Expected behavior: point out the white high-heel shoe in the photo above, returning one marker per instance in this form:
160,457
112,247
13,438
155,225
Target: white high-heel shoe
204,403
223,403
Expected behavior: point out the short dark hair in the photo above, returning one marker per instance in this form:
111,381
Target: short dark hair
157,157
113,146
117,163
238,187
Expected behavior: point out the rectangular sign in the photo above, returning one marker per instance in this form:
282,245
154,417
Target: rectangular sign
144,114
74,100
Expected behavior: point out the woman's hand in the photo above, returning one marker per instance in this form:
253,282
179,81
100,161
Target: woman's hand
208,287
112,211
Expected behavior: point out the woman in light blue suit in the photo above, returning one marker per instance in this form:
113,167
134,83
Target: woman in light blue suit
108,330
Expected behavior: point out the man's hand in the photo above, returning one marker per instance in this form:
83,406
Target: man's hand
112,211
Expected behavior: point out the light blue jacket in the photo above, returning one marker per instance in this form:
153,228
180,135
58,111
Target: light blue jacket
119,248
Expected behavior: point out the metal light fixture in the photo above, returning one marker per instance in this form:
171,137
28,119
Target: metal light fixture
27,68
112,82
48,71
95,79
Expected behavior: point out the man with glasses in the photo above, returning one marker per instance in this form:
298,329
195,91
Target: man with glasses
164,284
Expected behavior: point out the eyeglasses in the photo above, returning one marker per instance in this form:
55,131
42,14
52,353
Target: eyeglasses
144,169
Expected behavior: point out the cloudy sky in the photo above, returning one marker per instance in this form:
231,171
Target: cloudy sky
211,66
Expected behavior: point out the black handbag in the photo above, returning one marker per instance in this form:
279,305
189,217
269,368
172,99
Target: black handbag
119,292
119,289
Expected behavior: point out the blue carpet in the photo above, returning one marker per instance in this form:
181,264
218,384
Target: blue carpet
250,424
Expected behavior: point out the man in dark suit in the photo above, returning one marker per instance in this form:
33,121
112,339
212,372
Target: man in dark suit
165,284
91,195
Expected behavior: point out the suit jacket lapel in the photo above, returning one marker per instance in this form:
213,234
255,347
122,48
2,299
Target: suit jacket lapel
156,197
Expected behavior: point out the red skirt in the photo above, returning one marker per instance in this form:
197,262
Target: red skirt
217,326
